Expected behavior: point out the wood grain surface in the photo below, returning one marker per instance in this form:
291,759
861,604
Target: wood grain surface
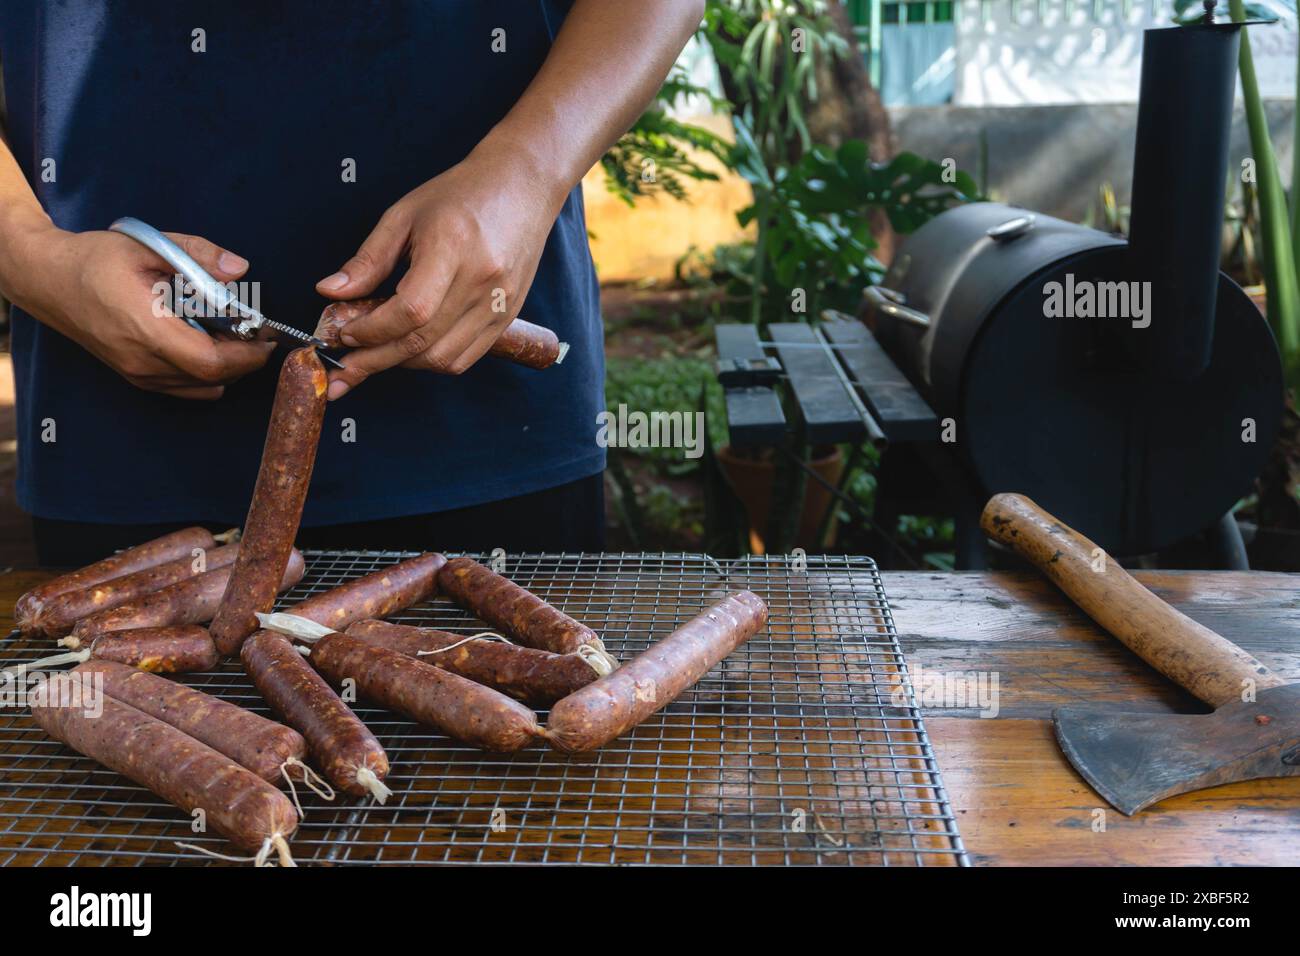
1016,798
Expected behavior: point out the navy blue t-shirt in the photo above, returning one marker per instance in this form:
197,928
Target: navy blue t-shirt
244,144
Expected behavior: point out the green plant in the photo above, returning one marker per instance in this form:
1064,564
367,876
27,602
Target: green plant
813,206
1279,223
816,216
659,151
767,51
1241,220
668,384
648,508
1108,214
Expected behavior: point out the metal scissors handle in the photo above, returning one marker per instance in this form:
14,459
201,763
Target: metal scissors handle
222,310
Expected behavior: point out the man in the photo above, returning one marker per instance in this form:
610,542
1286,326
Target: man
430,150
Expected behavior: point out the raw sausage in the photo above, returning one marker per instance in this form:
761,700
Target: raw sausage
538,678
177,649
522,342
347,752
255,743
530,345
181,770
615,704
59,615
377,594
158,551
192,601
457,707
278,497
521,614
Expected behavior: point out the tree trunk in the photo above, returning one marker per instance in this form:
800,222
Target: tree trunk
849,107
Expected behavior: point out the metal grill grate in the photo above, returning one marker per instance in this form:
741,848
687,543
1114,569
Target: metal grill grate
805,747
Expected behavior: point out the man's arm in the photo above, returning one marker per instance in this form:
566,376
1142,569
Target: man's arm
475,233
97,289
608,62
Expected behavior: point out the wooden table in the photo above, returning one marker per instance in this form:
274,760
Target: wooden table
1017,799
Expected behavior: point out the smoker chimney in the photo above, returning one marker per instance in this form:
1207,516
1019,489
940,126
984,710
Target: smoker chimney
1180,170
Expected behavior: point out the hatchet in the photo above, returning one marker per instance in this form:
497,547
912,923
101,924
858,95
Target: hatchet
1135,760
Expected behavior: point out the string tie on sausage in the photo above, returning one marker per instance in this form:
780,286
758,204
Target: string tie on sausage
485,636
291,625
311,780
368,779
282,850
71,642
223,856
54,660
597,660
274,842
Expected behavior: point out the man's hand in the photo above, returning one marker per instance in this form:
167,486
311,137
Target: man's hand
474,236
97,288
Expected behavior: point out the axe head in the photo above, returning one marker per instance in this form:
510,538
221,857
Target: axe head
1135,760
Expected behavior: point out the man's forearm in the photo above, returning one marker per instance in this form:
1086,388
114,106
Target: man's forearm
606,65
21,215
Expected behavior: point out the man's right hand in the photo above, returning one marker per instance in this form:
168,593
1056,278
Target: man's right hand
97,288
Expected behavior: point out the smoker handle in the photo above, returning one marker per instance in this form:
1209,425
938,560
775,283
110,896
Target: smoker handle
891,303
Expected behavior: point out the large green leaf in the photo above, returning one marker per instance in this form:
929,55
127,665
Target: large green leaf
1278,257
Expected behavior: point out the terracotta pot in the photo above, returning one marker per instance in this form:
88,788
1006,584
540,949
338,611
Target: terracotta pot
752,480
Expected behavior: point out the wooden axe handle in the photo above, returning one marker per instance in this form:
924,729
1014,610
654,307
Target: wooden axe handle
1188,653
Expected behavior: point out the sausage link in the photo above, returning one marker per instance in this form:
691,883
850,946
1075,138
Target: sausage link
377,594
181,770
176,649
457,707
147,555
259,745
522,342
653,679
505,605
528,344
538,678
192,601
59,615
278,497
338,314
338,740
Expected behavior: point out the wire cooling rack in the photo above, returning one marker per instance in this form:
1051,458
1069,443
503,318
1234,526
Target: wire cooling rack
804,747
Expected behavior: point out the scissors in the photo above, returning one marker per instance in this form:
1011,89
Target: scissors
218,309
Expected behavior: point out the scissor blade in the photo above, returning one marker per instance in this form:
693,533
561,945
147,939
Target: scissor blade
290,332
